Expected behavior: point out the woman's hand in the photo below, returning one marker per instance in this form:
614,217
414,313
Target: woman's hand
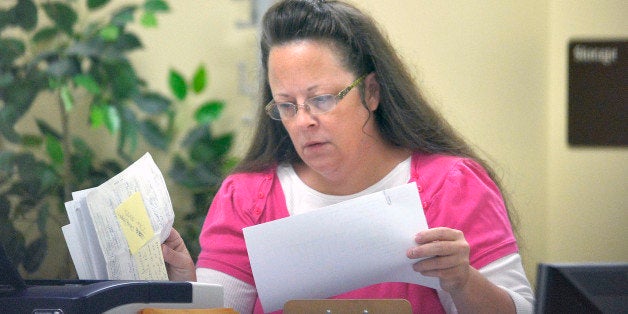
448,253
179,263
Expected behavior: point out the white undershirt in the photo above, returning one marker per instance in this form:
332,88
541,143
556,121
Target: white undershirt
308,199
506,272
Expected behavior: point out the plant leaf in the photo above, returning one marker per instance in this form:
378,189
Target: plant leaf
152,103
62,15
156,6
95,4
66,98
11,49
148,19
6,79
124,81
6,163
87,81
30,140
195,135
199,79
178,172
221,145
110,33
123,16
13,242
49,180
153,135
81,160
47,129
18,99
177,84
82,149
207,174
5,19
209,111
90,48
42,217
128,42
5,207
64,67
97,115
45,34
112,119
26,14
54,149
35,253
128,130
8,132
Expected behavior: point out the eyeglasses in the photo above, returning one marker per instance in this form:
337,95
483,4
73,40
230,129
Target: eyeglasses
316,105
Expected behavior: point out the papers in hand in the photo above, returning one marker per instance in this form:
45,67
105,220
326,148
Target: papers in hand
338,248
116,229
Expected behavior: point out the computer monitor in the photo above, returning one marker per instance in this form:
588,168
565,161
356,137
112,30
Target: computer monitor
582,288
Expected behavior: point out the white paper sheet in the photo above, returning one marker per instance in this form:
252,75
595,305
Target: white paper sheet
338,248
142,176
81,263
84,227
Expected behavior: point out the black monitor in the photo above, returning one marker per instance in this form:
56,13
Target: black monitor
582,288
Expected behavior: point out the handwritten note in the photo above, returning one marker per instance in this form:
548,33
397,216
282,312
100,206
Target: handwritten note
144,245
142,177
134,222
150,261
338,248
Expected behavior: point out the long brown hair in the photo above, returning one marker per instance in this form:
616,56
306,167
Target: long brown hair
404,117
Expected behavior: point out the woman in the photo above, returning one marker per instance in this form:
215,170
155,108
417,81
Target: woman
342,118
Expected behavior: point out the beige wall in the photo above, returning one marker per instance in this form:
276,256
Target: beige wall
496,69
587,188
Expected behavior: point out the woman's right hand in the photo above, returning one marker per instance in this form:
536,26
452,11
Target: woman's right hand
179,263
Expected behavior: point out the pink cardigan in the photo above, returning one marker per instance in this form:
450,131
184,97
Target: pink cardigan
456,193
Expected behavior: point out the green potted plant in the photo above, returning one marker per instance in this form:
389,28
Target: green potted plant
83,61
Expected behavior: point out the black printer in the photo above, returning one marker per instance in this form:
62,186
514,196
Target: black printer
98,296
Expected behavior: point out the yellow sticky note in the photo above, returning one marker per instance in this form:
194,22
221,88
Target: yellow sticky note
134,222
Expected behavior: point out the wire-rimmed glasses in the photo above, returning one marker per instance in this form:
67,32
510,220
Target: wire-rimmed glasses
316,105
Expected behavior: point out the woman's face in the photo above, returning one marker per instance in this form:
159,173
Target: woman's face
333,144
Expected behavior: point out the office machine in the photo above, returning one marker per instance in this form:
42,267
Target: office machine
582,288
99,296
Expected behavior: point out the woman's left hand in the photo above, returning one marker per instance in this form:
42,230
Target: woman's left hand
179,263
446,254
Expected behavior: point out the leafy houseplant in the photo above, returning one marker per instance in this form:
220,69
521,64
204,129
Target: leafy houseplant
84,62
205,159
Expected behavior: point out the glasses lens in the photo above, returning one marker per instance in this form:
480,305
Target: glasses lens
282,110
321,104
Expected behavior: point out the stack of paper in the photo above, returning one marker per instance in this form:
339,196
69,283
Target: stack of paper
116,229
